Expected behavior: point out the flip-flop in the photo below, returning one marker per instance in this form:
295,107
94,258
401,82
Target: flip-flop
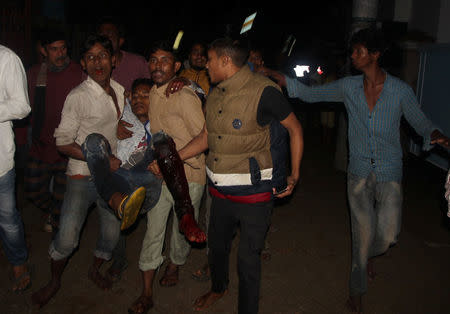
115,274
201,274
169,280
131,206
17,280
145,302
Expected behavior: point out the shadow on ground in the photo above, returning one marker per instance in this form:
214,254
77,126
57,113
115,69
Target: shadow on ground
310,262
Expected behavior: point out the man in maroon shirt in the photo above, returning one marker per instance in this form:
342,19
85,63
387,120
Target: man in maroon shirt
129,66
48,85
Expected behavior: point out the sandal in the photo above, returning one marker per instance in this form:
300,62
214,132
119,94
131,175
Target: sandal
115,273
169,280
130,207
18,280
202,274
141,305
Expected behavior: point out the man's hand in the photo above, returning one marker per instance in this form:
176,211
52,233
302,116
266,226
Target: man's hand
277,76
127,95
439,138
176,85
122,131
291,183
114,163
154,168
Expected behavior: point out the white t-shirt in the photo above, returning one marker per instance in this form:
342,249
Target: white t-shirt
14,104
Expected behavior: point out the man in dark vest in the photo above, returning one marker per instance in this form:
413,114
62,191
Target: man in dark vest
242,176
49,83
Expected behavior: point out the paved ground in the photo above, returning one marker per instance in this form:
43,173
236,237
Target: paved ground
309,268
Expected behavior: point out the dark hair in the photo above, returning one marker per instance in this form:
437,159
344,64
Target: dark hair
199,43
371,38
256,47
231,48
51,35
93,39
163,45
113,21
141,81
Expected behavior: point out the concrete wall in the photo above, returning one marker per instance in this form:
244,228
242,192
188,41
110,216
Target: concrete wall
431,17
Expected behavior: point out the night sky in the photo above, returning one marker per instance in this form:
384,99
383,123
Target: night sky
317,25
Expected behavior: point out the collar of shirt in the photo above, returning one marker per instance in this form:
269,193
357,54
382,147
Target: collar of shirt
97,88
237,80
161,90
118,89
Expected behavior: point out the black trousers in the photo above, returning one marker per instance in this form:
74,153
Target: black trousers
253,221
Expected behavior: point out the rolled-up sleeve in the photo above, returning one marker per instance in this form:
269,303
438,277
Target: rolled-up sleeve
16,104
67,131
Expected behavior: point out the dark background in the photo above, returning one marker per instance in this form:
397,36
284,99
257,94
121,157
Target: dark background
319,26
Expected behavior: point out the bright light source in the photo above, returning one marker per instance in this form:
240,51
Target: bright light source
301,69
319,70
248,22
176,44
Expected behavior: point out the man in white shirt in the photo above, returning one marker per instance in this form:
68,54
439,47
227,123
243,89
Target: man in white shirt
14,104
94,106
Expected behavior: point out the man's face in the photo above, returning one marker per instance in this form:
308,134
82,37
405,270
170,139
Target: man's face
163,66
111,31
56,53
255,57
215,66
140,101
98,63
197,57
362,58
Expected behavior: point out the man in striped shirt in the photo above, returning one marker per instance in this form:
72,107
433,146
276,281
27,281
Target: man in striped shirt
375,102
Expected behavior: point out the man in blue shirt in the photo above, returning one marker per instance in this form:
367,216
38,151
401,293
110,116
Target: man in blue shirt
375,102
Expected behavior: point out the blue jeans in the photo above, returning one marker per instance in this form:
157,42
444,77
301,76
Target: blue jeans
11,226
375,212
80,195
97,151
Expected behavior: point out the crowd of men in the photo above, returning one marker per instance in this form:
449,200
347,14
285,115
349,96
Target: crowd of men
148,136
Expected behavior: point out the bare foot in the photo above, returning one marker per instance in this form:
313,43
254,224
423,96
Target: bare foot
45,294
190,228
354,304
22,278
141,305
206,300
170,277
100,281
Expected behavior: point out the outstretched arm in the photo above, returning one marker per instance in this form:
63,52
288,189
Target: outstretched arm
277,76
